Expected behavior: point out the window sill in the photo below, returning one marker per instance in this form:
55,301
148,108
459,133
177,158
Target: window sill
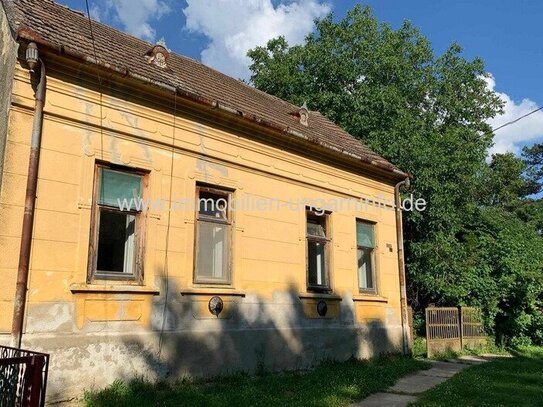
370,298
320,296
113,288
213,291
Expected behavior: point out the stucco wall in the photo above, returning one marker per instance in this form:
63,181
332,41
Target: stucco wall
269,320
8,55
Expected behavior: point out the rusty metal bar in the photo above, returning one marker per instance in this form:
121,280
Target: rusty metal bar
401,267
28,218
461,328
23,377
453,328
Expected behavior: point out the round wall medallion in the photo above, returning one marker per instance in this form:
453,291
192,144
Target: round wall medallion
215,305
322,308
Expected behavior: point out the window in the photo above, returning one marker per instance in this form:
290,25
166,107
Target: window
213,235
365,244
317,251
117,216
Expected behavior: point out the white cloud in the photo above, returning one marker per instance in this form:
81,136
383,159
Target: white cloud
513,137
135,16
235,26
95,12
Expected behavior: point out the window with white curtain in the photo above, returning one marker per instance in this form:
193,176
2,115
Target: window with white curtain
117,217
365,252
213,236
317,236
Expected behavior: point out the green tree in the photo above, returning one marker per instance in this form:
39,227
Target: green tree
505,181
425,113
506,262
531,212
533,157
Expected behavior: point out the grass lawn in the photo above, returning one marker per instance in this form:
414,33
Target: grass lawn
516,381
330,384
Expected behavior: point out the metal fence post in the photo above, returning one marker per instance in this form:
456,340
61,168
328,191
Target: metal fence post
23,377
427,320
461,311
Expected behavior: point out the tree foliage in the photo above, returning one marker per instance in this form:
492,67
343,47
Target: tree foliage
506,181
533,156
507,260
427,114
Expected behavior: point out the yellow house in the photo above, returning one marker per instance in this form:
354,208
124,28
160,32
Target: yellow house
184,223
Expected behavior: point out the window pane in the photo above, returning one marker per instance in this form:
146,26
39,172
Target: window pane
129,244
212,260
116,242
115,186
315,227
365,235
316,263
213,205
365,269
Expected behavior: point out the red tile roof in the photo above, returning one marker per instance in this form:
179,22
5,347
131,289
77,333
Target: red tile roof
62,28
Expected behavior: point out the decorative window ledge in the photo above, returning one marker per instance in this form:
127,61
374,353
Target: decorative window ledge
370,298
213,291
113,288
319,296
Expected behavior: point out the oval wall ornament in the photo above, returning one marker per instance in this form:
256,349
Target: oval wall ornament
215,305
322,308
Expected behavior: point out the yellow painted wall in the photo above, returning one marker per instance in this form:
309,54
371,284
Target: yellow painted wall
268,247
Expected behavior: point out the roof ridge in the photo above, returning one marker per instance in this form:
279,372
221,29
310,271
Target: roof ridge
241,82
172,53
82,13
62,26
96,22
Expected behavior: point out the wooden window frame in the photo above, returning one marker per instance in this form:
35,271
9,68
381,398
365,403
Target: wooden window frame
137,274
327,241
373,290
227,194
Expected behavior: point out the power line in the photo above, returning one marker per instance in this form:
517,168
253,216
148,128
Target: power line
91,32
167,245
99,81
517,119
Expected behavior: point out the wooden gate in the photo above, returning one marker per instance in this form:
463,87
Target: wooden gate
451,328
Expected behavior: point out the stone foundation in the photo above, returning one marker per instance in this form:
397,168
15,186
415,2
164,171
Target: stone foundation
80,362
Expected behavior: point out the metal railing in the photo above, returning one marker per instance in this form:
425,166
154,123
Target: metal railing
23,377
451,328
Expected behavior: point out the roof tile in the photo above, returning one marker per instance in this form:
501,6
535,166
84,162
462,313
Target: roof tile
59,25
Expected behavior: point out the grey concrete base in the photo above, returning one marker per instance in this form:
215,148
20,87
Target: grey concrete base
416,384
406,389
386,399
475,360
443,369
92,361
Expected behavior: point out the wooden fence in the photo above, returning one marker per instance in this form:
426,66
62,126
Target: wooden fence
451,328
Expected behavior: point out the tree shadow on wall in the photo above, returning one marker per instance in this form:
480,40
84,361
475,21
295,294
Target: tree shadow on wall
252,335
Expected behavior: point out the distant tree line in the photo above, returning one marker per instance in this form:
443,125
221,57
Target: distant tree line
479,242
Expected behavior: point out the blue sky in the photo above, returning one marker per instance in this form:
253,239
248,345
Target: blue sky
506,34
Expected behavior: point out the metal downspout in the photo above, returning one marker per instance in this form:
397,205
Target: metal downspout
401,267
28,219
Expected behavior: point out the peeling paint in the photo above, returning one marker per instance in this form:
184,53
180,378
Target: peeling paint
203,165
49,317
7,66
133,122
97,336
